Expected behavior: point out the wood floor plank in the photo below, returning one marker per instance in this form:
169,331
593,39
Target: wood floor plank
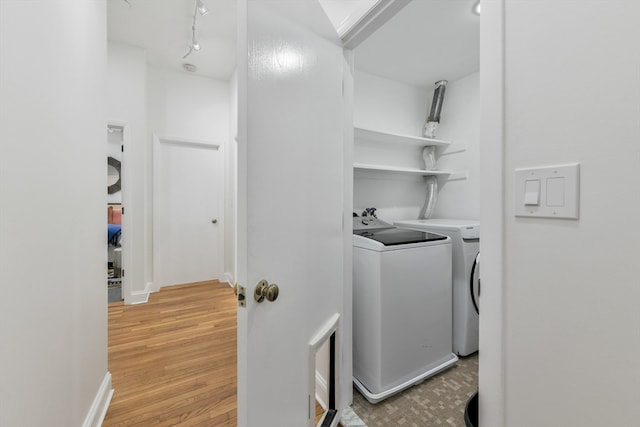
173,360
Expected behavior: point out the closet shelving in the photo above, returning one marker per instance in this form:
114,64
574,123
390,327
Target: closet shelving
383,168
393,138
396,138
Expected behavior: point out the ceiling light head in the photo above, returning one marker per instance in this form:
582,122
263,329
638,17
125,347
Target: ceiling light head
195,46
476,8
202,8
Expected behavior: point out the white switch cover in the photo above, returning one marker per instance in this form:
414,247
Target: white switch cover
548,191
532,192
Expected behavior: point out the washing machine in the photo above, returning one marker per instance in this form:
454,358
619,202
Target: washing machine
465,236
402,307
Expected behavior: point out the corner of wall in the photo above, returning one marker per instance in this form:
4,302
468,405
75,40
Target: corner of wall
100,404
227,278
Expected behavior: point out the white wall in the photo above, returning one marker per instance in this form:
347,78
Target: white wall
460,124
570,287
149,100
126,89
231,186
390,106
53,318
188,106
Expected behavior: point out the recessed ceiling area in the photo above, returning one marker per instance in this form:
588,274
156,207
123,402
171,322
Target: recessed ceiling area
426,41
163,29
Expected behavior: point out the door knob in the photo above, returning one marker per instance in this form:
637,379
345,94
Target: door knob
267,291
214,221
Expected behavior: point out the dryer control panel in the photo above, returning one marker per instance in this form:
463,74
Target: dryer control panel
369,223
470,232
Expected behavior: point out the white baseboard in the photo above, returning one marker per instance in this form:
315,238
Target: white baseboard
100,404
228,278
142,297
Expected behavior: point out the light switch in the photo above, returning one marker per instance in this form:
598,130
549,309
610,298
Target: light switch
548,191
532,192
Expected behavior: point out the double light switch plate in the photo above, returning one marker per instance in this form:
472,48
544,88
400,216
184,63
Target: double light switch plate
548,191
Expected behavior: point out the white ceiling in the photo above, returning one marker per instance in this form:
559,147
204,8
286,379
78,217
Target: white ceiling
163,29
427,41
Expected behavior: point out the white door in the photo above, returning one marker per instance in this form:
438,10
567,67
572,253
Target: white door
293,178
187,222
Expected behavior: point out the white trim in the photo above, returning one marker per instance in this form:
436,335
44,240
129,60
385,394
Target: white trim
354,33
378,397
142,297
329,328
242,209
100,404
127,253
227,278
155,161
344,384
492,359
174,140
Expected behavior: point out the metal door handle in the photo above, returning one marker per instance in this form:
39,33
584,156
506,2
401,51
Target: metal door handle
266,290
214,221
240,293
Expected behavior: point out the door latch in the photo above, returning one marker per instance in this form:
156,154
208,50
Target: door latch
266,290
241,294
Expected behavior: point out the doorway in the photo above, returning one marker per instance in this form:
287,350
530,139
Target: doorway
115,269
188,109
396,73
187,212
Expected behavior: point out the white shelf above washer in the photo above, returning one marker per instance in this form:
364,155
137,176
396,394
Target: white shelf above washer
392,138
385,168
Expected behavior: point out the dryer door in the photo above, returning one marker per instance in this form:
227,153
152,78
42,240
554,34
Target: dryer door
474,283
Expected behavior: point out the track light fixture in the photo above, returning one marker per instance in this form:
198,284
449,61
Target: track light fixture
202,9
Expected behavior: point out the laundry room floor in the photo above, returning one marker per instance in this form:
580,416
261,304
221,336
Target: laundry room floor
438,401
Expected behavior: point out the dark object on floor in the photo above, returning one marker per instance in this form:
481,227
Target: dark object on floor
328,419
471,411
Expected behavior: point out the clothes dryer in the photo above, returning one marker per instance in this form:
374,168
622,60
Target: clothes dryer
465,240
402,307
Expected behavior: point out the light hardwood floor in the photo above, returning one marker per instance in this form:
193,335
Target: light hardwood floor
173,360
